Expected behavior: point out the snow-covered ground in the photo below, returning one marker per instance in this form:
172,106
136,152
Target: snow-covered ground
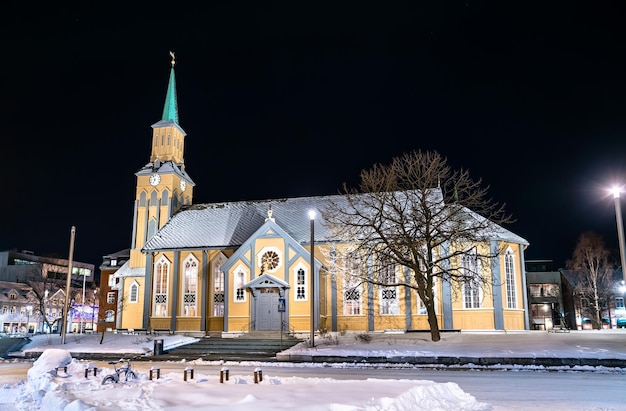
46,389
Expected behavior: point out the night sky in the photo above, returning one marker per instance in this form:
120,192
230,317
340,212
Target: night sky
284,99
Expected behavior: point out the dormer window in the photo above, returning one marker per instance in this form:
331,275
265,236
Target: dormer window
12,296
113,262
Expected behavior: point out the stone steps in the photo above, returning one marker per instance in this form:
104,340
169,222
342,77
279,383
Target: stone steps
245,347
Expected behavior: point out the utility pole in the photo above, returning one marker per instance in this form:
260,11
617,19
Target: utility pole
68,284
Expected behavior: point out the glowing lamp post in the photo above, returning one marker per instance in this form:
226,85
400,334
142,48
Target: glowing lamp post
312,268
44,324
620,228
93,309
29,309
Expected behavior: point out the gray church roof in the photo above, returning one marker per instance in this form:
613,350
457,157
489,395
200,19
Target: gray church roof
219,225
230,224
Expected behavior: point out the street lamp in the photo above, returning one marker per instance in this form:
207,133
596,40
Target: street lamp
70,317
312,268
82,307
29,308
44,325
620,227
93,309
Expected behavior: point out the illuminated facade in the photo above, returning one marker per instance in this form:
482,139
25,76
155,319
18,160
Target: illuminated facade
243,266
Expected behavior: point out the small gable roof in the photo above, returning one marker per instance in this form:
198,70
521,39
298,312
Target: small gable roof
266,281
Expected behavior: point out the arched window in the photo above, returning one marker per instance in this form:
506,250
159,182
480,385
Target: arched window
190,286
240,281
134,292
218,286
389,302
301,280
471,286
352,288
509,275
161,287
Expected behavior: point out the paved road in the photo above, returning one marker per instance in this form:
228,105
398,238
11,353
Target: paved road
504,390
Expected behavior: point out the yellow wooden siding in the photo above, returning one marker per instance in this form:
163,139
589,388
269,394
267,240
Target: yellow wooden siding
188,324
132,313
473,319
514,319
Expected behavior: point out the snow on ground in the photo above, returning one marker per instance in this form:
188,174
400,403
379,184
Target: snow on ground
47,389
69,390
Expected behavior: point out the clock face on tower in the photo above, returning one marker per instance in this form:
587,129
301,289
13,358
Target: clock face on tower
155,179
183,185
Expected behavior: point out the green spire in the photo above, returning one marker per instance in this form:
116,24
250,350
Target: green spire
170,111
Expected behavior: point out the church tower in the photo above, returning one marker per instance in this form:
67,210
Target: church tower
163,185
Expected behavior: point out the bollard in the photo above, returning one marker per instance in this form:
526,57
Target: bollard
90,367
223,373
157,370
258,375
185,373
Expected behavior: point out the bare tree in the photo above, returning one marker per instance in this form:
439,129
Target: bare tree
418,213
43,287
594,274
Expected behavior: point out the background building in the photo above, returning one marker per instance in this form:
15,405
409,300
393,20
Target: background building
109,287
45,278
547,305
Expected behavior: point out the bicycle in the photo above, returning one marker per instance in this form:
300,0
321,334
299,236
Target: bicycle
129,374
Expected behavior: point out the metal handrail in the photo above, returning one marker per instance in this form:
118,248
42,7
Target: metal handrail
285,326
248,327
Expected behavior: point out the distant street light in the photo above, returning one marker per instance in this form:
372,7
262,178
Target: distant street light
29,308
620,227
44,324
82,307
312,268
93,309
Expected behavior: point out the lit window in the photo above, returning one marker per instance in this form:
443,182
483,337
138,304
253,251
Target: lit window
389,304
161,286
240,281
301,284
509,272
190,286
471,287
134,292
218,287
109,316
352,294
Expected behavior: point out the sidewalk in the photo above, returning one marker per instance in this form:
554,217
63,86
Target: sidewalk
592,348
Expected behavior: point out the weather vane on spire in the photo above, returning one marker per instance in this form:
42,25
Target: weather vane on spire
173,58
